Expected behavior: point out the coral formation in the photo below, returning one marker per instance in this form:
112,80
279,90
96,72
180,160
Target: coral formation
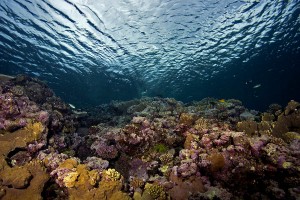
144,149
24,181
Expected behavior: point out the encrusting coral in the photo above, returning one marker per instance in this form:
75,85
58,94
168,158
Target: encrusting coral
25,181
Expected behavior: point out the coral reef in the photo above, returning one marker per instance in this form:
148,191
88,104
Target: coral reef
144,149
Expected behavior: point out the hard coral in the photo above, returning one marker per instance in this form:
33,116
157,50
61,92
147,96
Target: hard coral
111,174
17,112
155,191
21,138
89,186
106,189
201,124
96,163
249,127
184,188
136,183
70,179
83,183
187,119
138,168
28,184
104,149
217,161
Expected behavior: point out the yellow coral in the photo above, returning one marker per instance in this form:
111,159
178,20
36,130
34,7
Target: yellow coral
164,168
35,129
286,165
289,136
156,191
94,177
111,174
70,179
119,195
137,195
201,124
166,158
69,163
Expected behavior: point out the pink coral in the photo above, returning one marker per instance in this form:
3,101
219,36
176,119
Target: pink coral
187,168
104,150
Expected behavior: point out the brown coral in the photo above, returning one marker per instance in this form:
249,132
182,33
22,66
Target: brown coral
249,127
136,183
25,181
288,121
188,139
183,189
267,117
187,119
217,161
85,184
201,124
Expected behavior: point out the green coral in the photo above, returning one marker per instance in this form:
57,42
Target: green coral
160,148
287,165
164,168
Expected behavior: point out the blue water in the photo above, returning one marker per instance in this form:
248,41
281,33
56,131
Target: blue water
92,52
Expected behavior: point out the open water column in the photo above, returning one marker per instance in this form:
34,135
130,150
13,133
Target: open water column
92,52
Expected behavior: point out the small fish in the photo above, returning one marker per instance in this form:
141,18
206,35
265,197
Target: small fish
222,100
256,86
248,82
72,106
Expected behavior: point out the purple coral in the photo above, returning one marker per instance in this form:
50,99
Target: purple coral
52,160
96,163
257,144
43,116
223,139
35,146
186,168
206,142
138,169
104,150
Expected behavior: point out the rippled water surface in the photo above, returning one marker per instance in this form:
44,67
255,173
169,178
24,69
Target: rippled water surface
94,51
